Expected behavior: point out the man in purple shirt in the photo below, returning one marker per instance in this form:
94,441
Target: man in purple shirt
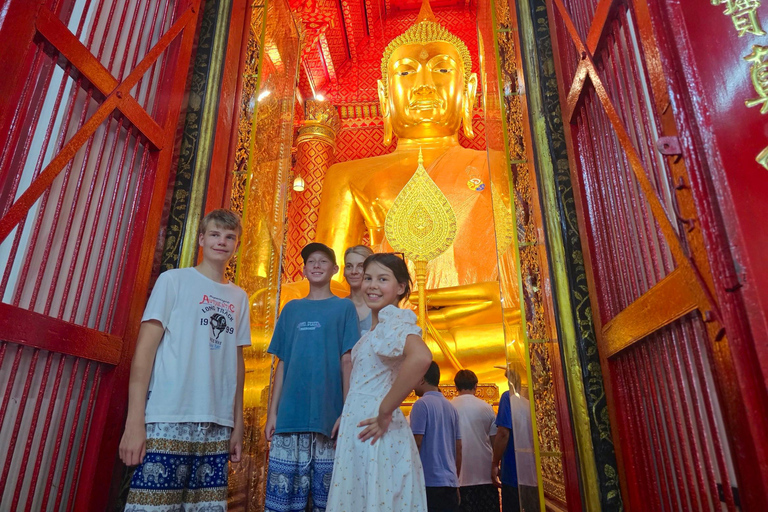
435,425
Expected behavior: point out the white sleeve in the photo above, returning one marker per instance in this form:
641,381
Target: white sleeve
161,300
492,421
244,326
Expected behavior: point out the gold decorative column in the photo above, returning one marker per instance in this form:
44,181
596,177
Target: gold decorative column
316,144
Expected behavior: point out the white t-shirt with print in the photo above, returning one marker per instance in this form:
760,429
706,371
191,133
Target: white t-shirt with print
194,376
476,424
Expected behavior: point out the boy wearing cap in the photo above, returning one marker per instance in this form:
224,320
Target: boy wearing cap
312,342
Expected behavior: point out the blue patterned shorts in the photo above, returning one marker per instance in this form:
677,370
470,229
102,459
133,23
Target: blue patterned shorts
185,469
299,463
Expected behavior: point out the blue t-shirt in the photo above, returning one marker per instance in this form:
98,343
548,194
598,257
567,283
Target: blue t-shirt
310,337
437,420
508,463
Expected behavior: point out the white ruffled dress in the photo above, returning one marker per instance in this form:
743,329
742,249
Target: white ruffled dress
388,475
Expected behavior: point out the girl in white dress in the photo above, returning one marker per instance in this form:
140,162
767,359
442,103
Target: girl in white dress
377,466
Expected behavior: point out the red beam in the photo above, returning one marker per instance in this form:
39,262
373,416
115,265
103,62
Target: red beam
47,333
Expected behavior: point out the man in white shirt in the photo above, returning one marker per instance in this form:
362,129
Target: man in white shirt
477,427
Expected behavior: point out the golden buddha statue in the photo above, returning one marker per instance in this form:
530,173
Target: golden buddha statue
426,93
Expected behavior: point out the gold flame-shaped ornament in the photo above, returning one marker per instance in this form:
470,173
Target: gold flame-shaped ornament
421,222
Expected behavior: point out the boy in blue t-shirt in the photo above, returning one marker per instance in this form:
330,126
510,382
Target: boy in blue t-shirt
312,342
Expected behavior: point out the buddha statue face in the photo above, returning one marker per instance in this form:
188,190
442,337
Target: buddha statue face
428,92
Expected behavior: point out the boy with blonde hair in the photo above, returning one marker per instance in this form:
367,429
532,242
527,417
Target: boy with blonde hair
185,396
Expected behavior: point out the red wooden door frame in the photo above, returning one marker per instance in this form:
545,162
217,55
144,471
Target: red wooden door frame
703,280
24,22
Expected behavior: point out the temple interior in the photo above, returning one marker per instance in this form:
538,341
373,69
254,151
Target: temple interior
576,187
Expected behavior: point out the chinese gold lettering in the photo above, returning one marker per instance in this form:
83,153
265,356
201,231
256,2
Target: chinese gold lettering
762,158
743,13
759,75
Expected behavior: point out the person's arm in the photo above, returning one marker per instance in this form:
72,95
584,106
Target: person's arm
418,438
133,443
346,371
415,365
236,438
499,446
458,457
277,390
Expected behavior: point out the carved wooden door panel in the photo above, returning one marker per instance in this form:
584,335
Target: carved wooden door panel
91,95
679,413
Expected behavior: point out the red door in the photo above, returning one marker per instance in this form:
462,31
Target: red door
684,391
91,93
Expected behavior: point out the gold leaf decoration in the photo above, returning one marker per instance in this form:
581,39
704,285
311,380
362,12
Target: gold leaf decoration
421,222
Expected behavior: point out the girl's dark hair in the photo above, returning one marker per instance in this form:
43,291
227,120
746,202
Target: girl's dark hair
398,267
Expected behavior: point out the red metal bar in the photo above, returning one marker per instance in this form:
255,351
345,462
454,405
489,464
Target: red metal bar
117,38
698,338
596,226
81,231
116,241
15,123
631,202
60,431
31,432
651,401
71,440
611,172
11,447
3,346
107,28
36,172
632,400
604,278
85,436
70,217
604,200
628,77
20,113
44,435
668,419
111,210
57,210
132,210
32,329
150,38
683,427
161,66
684,346
25,268
100,200
9,387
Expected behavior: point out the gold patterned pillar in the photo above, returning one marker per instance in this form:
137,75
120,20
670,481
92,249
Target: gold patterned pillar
316,144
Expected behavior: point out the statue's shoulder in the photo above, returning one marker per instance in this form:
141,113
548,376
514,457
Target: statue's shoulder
360,169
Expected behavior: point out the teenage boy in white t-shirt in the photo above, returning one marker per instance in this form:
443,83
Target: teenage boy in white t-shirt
476,424
185,397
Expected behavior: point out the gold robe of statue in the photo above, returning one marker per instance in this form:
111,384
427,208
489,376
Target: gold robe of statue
427,90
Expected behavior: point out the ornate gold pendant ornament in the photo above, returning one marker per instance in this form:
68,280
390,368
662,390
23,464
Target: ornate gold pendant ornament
421,222
422,225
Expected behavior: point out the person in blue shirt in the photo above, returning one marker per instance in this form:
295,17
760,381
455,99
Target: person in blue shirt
504,463
435,426
312,342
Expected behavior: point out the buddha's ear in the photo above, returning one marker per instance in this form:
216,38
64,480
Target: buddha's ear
384,106
468,106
